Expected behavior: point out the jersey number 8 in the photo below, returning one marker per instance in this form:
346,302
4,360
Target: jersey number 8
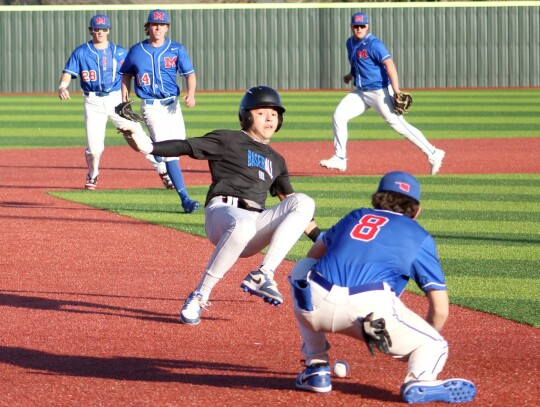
368,227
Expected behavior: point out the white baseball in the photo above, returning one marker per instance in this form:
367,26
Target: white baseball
341,368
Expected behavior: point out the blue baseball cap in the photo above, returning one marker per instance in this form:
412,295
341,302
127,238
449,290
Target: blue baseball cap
158,17
402,182
359,19
100,21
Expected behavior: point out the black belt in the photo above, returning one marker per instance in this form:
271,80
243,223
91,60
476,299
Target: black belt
164,102
100,94
240,203
317,278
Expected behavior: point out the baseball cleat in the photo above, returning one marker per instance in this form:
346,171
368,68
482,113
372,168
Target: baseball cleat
260,284
334,163
91,183
449,391
192,309
435,160
167,182
315,378
190,206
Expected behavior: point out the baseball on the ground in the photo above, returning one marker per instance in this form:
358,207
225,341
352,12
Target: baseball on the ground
341,368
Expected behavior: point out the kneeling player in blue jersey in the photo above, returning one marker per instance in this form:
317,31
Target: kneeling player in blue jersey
350,284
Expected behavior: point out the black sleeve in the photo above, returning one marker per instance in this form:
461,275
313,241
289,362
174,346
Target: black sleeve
172,148
282,186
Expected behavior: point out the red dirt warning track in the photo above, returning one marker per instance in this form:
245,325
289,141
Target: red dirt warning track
89,299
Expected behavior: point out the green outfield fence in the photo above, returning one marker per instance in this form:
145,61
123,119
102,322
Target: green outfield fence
291,46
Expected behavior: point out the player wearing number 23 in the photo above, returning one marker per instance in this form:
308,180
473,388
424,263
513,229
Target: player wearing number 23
97,62
350,284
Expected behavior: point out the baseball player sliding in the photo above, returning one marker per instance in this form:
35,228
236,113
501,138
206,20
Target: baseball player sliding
375,78
244,169
154,64
97,63
350,284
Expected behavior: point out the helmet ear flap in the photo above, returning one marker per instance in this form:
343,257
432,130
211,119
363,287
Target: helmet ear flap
246,119
280,121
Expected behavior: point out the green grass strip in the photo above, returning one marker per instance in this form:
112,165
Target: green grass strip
38,121
486,227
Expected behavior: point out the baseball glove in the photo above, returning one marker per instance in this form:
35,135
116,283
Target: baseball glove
376,335
124,110
402,102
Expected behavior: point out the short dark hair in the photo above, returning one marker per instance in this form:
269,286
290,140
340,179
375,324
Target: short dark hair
395,202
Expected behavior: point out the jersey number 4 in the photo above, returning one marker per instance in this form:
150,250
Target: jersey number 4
143,80
368,227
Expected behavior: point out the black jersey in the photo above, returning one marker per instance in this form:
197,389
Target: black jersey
241,166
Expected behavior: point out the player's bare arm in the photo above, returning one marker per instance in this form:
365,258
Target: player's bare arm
438,308
391,70
63,93
317,250
126,87
191,82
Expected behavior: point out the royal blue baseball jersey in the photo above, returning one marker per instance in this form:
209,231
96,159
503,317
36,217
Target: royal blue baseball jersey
97,68
366,57
370,245
155,68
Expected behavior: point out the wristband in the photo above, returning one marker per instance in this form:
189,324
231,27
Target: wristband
63,85
314,234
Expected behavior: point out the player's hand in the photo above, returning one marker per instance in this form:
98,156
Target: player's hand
347,78
189,100
137,141
63,94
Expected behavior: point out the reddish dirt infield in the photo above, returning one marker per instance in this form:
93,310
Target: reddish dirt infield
89,299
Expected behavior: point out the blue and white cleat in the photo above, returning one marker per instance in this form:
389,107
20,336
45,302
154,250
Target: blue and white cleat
449,391
261,284
192,309
315,378
190,205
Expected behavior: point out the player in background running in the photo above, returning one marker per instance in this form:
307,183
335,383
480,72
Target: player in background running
153,65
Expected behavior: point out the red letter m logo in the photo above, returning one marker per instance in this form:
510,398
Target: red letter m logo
362,54
100,20
170,62
159,15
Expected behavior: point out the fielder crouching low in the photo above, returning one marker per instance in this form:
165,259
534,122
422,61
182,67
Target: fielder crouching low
350,284
244,169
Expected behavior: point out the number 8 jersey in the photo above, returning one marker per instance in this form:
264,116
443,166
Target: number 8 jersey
370,245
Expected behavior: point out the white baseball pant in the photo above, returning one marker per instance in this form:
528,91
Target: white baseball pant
335,311
164,121
357,102
241,233
97,110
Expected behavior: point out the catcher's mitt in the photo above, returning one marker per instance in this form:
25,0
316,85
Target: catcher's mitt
124,110
402,102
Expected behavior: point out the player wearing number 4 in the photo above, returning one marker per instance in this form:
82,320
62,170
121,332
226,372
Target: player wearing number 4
154,64
97,63
350,284
375,78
